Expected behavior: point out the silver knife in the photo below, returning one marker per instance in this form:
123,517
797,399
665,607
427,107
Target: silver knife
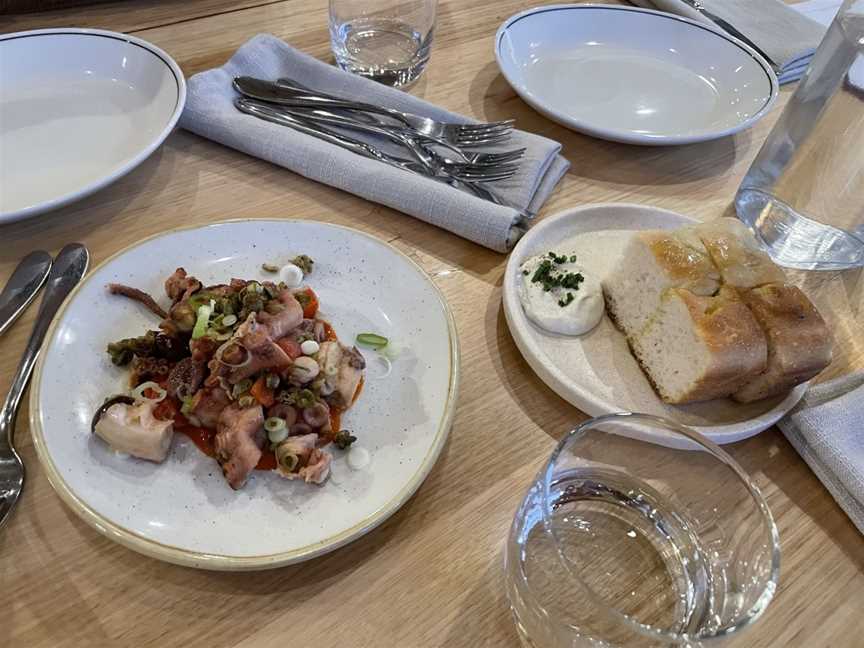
272,114
728,28
23,286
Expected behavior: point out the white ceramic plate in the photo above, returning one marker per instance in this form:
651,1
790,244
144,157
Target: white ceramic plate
79,108
183,511
596,372
634,75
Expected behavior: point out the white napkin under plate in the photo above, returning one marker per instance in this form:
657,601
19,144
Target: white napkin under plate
210,112
785,35
827,430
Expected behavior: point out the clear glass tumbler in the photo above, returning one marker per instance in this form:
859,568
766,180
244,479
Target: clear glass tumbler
804,194
386,40
622,542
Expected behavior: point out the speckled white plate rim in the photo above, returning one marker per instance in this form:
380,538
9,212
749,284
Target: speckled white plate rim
179,556
575,392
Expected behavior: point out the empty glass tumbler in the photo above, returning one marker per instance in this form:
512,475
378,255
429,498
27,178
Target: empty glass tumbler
621,542
386,40
804,194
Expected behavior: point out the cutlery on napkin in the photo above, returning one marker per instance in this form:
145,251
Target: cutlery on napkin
785,35
210,112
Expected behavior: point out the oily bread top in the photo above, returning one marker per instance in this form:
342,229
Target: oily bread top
737,255
727,326
684,259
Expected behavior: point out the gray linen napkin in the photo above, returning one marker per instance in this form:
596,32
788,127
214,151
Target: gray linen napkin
827,430
210,112
784,34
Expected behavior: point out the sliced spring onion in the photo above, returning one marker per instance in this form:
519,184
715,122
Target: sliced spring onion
186,407
246,400
138,392
276,428
286,459
278,436
204,312
229,320
221,351
372,340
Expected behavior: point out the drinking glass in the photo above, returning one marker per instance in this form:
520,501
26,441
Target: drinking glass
386,40
624,542
804,194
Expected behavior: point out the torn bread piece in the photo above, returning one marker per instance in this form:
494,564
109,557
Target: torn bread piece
799,342
737,254
700,347
653,262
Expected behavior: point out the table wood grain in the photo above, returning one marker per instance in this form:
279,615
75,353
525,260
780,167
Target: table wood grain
431,575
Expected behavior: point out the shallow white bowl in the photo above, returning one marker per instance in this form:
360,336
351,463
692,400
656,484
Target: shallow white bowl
596,372
79,108
634,75
182,510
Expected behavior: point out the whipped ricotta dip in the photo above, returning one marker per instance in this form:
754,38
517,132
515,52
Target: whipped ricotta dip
559,295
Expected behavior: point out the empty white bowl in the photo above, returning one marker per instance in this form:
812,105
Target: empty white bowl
79,108
634,75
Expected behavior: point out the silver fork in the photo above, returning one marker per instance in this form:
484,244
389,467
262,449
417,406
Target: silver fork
69,266
270,113
435,164
465,157
491,168
287,91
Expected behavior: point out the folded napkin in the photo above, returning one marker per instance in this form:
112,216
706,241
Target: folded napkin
785,35
210,112
827,430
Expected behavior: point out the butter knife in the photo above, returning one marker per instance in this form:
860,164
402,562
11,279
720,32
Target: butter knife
23,286
732,31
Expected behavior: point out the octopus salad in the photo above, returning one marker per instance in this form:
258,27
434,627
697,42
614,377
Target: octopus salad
247,370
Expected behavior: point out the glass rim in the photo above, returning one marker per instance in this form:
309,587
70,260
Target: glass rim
769,588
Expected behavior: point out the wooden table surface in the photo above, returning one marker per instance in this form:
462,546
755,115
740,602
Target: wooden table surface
431,575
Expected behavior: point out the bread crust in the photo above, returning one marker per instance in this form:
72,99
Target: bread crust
734,339
799,341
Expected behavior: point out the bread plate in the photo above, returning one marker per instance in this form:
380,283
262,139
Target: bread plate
182,511
596,372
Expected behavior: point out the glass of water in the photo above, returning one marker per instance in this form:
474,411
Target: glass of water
623,542
804,194
386,40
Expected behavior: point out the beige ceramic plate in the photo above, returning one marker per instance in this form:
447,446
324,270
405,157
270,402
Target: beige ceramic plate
182,511
596,372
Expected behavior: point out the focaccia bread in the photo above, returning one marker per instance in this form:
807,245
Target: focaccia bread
708,315
700,347
736,253
657,260
799,342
